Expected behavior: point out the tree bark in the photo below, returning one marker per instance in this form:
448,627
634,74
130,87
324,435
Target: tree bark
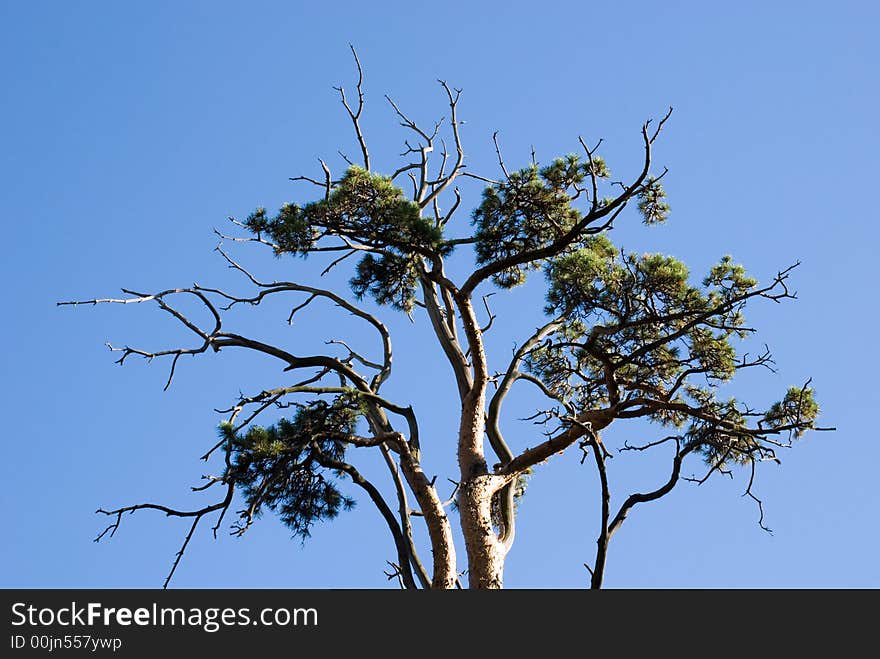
486,552
439,529
484,549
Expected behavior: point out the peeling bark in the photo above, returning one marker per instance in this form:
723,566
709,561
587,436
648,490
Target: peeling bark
486,552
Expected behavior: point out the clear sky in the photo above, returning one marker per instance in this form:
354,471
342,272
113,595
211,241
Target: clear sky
131,130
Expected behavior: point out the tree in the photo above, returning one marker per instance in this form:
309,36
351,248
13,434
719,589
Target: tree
627,337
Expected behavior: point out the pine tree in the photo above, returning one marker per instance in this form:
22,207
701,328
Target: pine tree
627,336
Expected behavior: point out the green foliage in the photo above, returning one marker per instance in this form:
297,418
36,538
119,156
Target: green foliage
368,210
580,275
528,211
390,279
641,315
290,229
652,206
279,467
635,326
724,439
720,442
717,356
729,277
798,408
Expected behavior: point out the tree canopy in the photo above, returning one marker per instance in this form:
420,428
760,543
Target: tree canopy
626,336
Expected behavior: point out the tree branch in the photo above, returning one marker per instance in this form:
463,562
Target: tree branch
358,479
587,225
355,115
196,516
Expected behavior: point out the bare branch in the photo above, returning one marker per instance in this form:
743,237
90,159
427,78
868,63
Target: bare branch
752,496
459,158
328,181
453,208
252,239
511,374
307,179
380,503
489,313
159,298
500,157
196,516
592,440
352,354
594,178
404,515
663,490
345,158
355,115
444,331
276,286
649,445
478,177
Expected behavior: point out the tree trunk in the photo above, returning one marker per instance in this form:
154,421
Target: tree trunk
484,550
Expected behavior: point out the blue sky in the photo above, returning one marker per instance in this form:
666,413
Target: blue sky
131,130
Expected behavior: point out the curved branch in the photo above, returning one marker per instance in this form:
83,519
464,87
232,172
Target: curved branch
760,503
493,431
507,516
637,498
587,225
382,431
592,419
268,288
403,555
448,341
598,571
439,529
405,523
196,515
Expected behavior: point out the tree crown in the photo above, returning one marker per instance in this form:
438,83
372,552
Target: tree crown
628,336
